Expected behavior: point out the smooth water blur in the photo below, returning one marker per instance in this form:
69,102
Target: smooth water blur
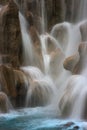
37,119
27,42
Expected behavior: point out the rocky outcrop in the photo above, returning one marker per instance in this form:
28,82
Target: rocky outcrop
10,35
14,84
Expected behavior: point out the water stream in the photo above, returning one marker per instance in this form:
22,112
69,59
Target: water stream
62,96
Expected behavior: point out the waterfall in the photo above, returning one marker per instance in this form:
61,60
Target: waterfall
43,16
27,42
54,84
77,10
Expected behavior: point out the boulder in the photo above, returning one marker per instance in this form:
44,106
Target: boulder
21,86
5,105
77,63
7,81
71,62
39,93
14,84
82,64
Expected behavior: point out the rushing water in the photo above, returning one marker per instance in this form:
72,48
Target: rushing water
51,85
37,119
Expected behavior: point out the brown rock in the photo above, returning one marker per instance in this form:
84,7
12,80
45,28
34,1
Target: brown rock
3,2
7,81
5,105
10,35
14,83
39,93
71,62
82,64
21,86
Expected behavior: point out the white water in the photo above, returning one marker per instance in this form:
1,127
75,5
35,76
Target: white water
78,10
43,17
62,42
27,42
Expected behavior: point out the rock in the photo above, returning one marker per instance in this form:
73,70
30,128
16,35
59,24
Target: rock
3,2
39,93
76,128
69,124
5,105
55,11
7,81
21,86
5,59
14,84
10,34
77,63
81,66
71,62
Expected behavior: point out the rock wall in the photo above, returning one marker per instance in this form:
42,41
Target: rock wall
10,34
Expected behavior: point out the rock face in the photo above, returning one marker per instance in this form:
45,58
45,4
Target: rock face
55,11
10,35
13,84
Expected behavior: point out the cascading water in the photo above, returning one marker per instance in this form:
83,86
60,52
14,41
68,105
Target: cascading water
27,43
63,42
54,87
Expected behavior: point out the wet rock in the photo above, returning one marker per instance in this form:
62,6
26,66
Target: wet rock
5,59
3,2
77,63
38,94
10,34
21,86
55,11
14,83
71,62
81,66
69,124
34,35
76,128
5,105
7,81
